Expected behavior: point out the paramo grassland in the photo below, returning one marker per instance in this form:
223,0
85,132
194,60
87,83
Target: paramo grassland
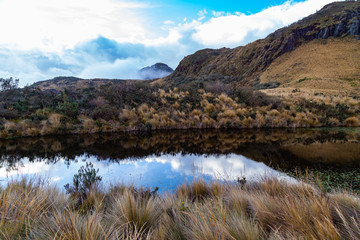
269,209
138,105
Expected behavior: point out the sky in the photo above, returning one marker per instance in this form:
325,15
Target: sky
42,39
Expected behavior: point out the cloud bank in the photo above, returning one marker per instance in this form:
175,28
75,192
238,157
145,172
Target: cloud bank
113,38
239,29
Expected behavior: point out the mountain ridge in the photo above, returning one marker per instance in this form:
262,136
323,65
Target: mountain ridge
243,66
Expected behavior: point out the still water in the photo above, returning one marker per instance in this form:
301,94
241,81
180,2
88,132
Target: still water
166,159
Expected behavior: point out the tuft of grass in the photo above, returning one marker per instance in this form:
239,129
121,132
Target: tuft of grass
22,205
266,209
240,226
67,224
135,212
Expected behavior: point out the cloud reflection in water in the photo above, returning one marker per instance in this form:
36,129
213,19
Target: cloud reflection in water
164,171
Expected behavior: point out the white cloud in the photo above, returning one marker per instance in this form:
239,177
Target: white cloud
51,25
169,22
218,14
202,14
124,69
240,29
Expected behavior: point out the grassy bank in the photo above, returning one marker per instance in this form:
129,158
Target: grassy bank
142,107
269,209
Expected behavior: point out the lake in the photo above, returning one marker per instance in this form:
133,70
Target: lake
166,159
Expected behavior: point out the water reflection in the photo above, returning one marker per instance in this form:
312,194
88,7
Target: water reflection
166,159
165,171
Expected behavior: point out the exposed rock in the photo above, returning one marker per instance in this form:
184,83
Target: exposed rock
324,33
354,28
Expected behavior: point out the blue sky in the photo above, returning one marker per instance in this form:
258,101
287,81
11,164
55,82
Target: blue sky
42,39
179,9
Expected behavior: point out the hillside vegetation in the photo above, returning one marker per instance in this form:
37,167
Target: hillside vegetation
303,75
130,106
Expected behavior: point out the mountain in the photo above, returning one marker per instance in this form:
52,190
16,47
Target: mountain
157,70
321,50
61,83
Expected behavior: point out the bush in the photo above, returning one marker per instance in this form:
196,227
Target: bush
352,122
68,108
105,112
267,85
84,182
253,98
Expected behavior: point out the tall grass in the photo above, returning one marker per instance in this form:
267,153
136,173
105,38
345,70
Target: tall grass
268,209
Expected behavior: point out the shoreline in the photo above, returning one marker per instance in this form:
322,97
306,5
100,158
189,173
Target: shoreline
142,131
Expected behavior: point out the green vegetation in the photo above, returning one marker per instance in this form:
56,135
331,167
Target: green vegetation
303,79
86,180
268,209
353,82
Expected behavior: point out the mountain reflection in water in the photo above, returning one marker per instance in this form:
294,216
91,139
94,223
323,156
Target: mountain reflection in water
166,159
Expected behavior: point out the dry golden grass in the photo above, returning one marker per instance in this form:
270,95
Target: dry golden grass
334,65
135,212
268,209
55,119
78,84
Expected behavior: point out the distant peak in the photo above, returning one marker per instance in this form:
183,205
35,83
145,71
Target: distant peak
158,70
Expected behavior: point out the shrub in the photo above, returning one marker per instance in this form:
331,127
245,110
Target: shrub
84,182
105,112
38,116
68,108
352,122
267,85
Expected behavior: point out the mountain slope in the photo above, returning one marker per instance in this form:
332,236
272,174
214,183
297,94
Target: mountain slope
244,66
330,64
